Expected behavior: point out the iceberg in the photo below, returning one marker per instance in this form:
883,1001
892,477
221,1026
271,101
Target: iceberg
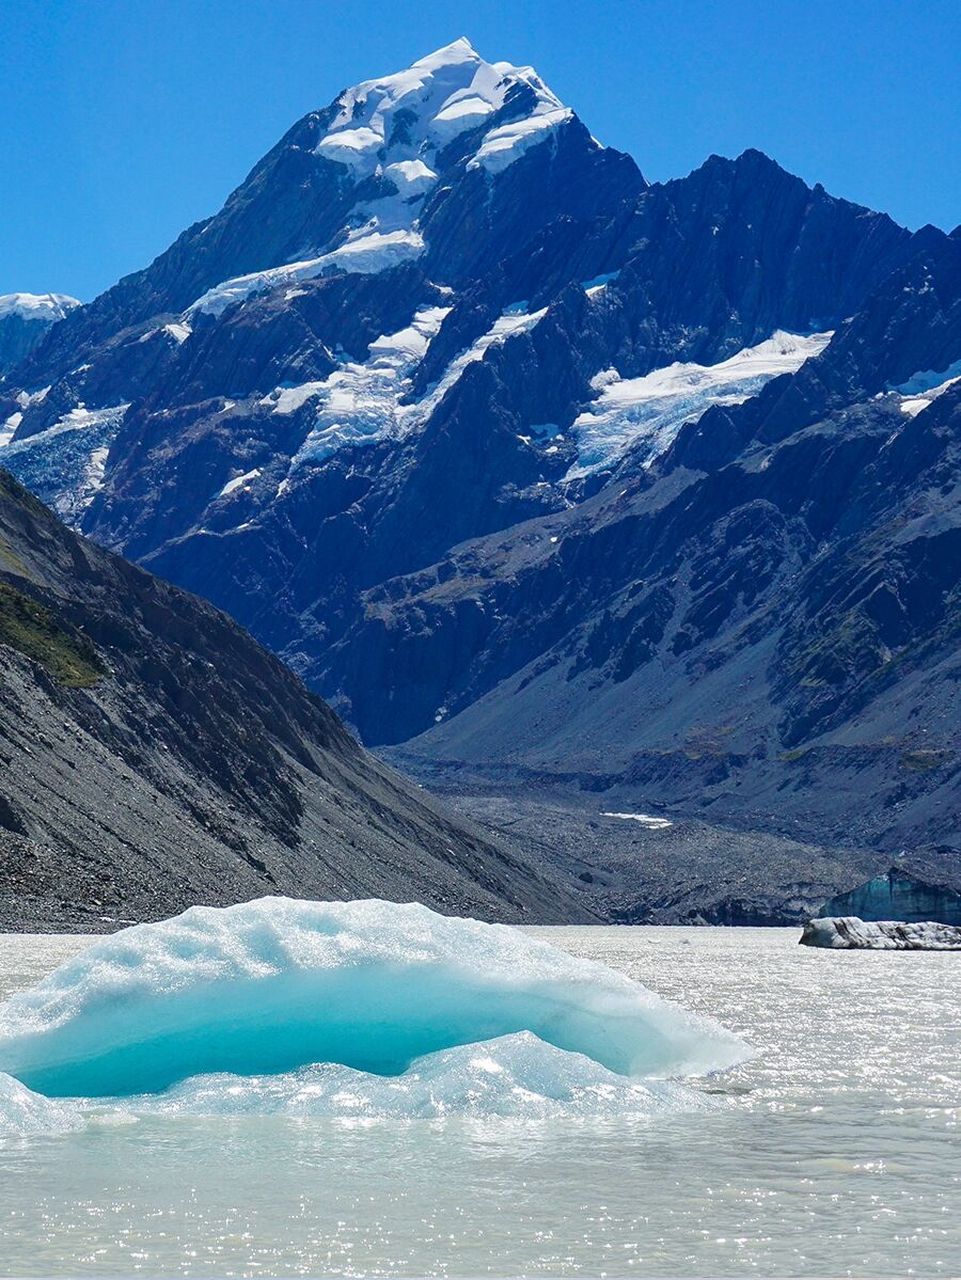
277,985
848,933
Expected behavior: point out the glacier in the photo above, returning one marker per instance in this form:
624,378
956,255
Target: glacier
648,412
64,465
278,1001
365,402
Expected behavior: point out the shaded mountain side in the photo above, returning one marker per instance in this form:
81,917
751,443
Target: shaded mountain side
775,641
153,756
706,265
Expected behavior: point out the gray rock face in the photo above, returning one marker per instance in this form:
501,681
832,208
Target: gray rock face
848,933
154,756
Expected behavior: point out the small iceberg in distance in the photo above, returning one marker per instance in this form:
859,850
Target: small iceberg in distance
276,985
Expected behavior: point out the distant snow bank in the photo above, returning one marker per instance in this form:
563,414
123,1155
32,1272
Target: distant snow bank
644,819
845,933
31,307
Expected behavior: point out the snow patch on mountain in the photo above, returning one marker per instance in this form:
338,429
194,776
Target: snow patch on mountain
925,386
503,146
414,114
9,428
46,307
239,482
643,819
362,402
649,411
178,332
594,286
364,253
511,323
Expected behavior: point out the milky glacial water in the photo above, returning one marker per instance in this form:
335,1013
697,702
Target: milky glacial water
835,1151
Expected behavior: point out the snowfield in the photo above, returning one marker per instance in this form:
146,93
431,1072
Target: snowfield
648,412
46,307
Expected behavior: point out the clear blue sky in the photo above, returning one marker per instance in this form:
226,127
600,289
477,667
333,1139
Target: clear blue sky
122,121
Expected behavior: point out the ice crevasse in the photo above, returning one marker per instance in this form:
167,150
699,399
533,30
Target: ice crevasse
278,1003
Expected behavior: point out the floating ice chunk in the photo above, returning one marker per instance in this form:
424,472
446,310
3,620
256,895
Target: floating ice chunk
24,1114
276,984
843,933
514,1075
651,410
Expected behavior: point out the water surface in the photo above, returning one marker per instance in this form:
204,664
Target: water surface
835,1151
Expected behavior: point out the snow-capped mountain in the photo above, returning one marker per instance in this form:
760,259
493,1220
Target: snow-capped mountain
24,319
483,433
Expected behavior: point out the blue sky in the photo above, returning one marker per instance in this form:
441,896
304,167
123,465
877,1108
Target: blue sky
125,120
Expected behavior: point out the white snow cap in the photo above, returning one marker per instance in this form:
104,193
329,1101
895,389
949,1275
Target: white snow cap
412,115
46,307
395,129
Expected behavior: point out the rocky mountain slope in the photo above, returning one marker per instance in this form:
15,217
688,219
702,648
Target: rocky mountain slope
549,474
154,756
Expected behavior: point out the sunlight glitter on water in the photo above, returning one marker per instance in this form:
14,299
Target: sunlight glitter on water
836,1149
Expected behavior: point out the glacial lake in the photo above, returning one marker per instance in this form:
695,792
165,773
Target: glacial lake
836,1150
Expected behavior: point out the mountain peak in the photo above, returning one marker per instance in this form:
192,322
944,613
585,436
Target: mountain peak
459,50
395,141
407,118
